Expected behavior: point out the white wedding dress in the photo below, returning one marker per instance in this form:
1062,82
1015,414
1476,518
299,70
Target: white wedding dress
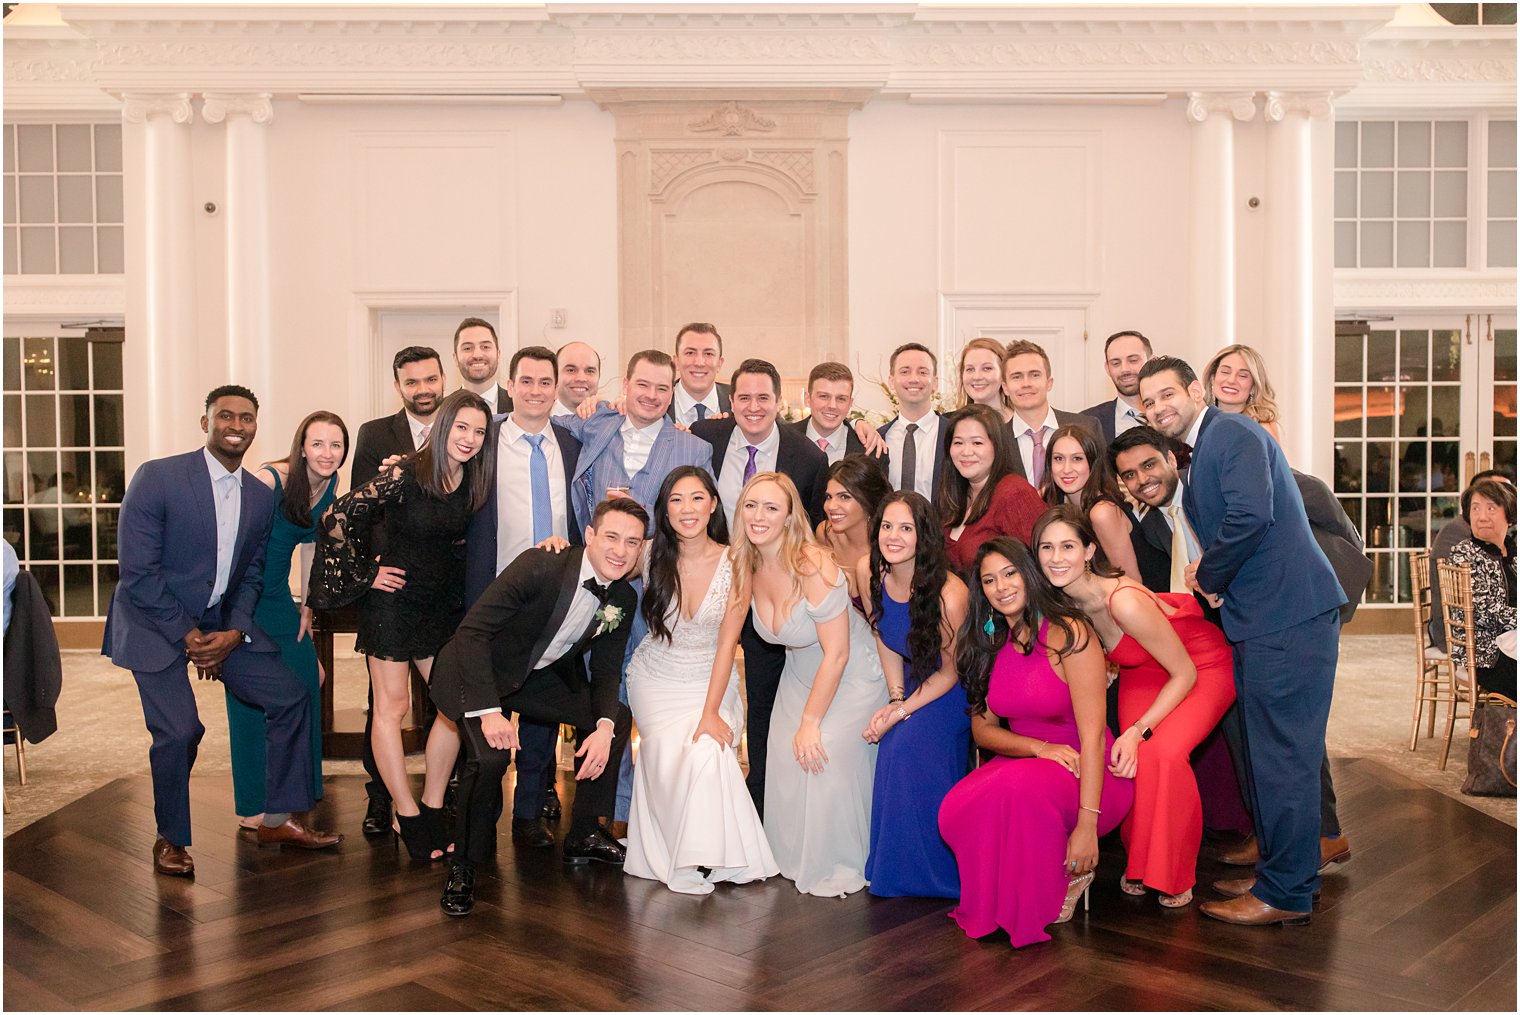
690,806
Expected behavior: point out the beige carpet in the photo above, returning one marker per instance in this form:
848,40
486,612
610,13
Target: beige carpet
101,736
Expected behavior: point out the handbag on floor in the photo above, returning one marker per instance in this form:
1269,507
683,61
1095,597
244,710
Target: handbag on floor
1491,749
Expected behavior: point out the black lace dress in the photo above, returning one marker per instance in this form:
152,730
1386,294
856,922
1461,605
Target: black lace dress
424,536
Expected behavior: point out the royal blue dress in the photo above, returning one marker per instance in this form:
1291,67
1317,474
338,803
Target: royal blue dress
918,762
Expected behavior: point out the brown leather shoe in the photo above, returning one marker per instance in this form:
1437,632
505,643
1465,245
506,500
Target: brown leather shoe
172,860
1235,888
1249,911
1244,855
293,833
1332,852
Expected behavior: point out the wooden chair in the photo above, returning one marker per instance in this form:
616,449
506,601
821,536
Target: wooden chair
1432,683
13,734
1456,607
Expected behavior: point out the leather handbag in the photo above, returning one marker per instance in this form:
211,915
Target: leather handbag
1491,749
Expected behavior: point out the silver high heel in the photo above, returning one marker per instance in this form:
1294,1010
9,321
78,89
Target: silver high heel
1076,888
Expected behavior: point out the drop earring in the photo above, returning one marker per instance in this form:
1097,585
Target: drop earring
989,627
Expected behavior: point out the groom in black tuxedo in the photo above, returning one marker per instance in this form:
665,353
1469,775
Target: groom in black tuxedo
524,647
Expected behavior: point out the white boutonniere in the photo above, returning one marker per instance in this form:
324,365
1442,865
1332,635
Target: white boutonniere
607,619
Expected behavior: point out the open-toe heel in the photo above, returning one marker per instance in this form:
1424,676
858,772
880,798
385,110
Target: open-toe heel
440,828
413,832
1076,888
1178,901
1129,887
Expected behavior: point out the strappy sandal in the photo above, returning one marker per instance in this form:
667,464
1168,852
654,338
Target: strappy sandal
1178,901
1076,888
1129,887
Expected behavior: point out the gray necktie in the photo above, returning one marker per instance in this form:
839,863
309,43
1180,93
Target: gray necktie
909,459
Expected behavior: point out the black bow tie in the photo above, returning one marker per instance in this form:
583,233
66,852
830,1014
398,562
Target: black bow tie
596,588
1184,454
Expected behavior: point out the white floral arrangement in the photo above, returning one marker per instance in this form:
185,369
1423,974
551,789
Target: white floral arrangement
607,619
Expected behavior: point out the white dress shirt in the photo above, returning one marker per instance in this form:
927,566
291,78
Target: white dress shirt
1194,551
577,619
1024,434
560,409
637,444
925,439
731,483
836,441
1191,437
418,428
686,404
514,491
227,495
1126,417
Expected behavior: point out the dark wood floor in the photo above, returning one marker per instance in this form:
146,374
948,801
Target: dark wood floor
1422,918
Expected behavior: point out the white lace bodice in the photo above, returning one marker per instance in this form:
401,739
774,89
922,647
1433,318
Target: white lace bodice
689,653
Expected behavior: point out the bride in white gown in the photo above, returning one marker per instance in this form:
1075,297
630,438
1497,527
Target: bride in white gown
690,807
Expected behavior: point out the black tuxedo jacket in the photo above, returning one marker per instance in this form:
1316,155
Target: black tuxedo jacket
725,401
378,440
797,457
480,538
1063,418
852,445
503,636
1151,538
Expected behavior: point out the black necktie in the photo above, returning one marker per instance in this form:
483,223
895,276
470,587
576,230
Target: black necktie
596,588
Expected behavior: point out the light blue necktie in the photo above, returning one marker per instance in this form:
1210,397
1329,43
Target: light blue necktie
538,478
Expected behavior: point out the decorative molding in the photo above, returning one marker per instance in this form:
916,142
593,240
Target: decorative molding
68,296
666,165
1410,291
732,120
1314,105
137,107
1183,50
1240,105
217,106
796,163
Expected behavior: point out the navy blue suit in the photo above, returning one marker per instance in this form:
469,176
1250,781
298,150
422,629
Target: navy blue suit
167,540
535,757
1282,614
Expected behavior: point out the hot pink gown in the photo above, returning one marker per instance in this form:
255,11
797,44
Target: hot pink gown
1008,821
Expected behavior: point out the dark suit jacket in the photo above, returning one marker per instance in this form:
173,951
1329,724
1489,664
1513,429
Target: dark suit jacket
1151,538
167,552
1258,550
503,636
1063,418
797,457
378,440
503,401
852,445
480,538
939,450
725,402
33,667
1337,536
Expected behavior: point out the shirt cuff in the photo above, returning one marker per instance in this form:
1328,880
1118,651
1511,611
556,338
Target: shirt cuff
480,712
606,720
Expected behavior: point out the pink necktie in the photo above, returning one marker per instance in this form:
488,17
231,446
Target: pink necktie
823,445
1037,449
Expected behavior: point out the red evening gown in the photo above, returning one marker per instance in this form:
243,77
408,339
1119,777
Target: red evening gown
1165,828
1007,822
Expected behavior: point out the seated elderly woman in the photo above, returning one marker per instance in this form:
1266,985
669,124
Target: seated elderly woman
1488,507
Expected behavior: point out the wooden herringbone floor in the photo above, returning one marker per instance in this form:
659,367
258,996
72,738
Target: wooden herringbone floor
1422,918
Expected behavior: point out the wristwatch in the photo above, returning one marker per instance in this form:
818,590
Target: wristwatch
1145,731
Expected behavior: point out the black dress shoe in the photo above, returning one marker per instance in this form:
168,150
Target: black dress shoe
377,819
459,893
551,803
533,832
599,846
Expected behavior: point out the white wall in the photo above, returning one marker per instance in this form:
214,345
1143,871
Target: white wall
1141,163
517,200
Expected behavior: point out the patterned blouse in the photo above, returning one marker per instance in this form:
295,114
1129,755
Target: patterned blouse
1493,591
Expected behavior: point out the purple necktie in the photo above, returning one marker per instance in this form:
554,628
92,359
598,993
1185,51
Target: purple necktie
749,466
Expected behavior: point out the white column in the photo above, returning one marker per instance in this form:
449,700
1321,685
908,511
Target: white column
1213,218
165,372
1290,273
249,331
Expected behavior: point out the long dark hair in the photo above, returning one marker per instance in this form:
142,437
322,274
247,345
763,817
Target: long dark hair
954,490
663,586
987,633
931,566
862,479
431,462
295,498
1101,482
1070,514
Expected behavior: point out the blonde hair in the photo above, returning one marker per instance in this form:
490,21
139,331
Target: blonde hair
997,349
1261,403
800,553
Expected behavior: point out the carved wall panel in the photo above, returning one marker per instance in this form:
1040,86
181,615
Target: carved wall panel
733,211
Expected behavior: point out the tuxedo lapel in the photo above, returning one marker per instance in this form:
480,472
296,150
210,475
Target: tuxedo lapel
569,572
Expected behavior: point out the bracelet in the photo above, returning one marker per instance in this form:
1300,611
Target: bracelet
903,713
1040,748
1090,810
895,699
